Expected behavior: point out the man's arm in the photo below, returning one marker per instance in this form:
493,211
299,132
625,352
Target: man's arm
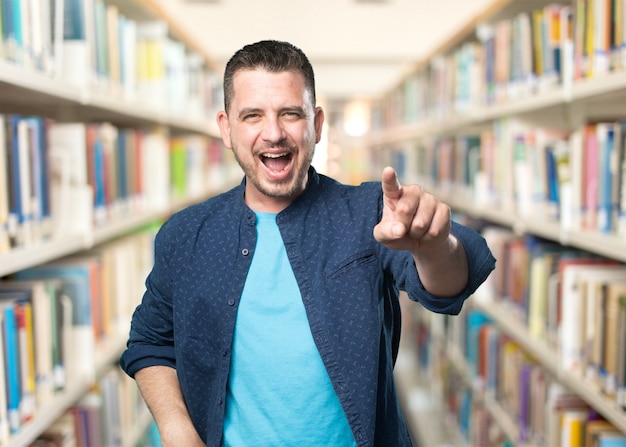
160,389
416,221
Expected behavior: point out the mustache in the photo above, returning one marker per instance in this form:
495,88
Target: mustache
282,144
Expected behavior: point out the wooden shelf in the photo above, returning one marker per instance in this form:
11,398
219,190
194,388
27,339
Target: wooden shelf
595,96
549,359
29,92
107,355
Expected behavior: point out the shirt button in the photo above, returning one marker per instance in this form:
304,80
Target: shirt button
231,302
225,352
219,401
245,252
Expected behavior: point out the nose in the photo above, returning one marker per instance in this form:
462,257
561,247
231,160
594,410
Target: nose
273,130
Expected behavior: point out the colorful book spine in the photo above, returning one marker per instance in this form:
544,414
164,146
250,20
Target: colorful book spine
12,363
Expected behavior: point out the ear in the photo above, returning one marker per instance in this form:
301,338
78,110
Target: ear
318,122
224,125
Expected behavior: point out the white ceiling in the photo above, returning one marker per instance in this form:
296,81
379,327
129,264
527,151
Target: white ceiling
357,48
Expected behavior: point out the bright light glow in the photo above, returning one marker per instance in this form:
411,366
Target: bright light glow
320,157
356,118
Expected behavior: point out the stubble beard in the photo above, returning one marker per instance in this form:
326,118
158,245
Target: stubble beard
282,189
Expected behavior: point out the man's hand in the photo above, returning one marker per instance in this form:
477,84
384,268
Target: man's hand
416,221
412,220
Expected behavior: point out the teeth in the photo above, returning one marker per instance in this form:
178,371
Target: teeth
274,155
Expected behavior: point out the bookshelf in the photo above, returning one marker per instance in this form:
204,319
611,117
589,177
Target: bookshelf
108,127
522,132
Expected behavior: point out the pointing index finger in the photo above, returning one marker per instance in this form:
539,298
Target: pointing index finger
391,184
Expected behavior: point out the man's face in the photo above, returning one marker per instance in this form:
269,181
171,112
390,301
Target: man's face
272,128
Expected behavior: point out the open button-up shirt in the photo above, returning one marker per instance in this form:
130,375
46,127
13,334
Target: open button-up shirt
349,285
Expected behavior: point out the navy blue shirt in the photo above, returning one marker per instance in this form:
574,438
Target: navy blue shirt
349,285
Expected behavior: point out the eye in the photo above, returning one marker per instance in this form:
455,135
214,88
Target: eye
292,114
251,117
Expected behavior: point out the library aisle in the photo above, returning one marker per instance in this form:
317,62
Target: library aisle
516,121
106,112
423,408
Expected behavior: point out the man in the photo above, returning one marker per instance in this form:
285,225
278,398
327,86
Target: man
271,316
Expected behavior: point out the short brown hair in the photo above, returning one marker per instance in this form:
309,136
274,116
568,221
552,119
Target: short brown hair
273,56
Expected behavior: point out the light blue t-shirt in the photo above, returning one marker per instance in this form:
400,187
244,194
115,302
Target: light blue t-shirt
279,393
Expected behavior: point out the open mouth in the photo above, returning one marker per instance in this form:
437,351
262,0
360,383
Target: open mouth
277,162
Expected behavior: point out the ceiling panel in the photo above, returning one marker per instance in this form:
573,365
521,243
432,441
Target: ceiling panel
358,48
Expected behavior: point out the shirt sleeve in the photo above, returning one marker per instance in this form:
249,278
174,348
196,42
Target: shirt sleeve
151,339
480,262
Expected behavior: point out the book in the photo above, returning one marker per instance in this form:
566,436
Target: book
570,258
4,189
579,40
596,284
36,134
112,18
522,172
24,317
71,198
559,403
572,218
74,55
594,428
475,321
589,41
4,416
619,186
611,440
572,428
12,363
498,240
20,181
128,57
590,176
524,416
539,396
613,337
606,173
76,285
542,266
578,324
42,296
151,77
13,36
110,390
566,43
90,407
155,161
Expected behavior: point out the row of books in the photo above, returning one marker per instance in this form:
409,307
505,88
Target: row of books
513,58
29,31
55,318
111,414
95,46
572,301
141,61
62,178
574,178
485,378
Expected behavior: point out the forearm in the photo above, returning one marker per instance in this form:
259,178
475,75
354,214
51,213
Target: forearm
160,389
444,271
